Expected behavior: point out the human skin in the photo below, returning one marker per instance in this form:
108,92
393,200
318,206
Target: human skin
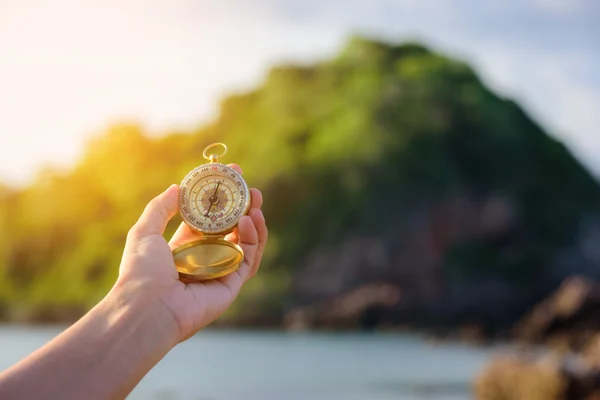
147,312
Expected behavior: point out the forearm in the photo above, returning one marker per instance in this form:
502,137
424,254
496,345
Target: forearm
104,355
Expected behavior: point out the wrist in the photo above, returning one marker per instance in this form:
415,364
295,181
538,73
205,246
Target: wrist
130,304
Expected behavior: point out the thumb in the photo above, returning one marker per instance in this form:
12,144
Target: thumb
157,214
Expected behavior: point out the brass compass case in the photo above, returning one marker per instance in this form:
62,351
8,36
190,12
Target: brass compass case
212,199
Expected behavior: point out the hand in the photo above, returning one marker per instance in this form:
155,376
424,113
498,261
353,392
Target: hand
148,270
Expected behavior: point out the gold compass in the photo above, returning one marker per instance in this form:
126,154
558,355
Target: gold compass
212,199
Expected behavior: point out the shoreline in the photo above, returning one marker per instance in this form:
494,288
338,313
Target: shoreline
424,337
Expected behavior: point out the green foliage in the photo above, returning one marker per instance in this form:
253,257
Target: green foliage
338,147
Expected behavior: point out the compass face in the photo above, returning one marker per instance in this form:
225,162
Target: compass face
213,198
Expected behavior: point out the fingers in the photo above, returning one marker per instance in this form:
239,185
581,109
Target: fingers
252,238
256,199
255,202
237,168
248,241
157,214
261,228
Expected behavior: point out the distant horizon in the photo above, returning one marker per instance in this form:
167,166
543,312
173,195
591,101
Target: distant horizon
70,71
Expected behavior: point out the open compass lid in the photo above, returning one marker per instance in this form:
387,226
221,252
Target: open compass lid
207,258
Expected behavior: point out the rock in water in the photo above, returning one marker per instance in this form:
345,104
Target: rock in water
570,317
534,377
521,378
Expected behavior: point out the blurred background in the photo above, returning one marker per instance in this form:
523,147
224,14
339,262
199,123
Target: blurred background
429,168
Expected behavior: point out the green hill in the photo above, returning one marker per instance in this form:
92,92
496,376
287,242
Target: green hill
385,163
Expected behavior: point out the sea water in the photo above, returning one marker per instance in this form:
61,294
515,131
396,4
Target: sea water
226,365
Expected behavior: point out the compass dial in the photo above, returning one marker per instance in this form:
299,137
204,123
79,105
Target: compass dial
213,198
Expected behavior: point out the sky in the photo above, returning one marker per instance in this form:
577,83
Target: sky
69,69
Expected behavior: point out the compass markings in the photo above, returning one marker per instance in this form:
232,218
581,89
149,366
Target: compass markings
232,194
